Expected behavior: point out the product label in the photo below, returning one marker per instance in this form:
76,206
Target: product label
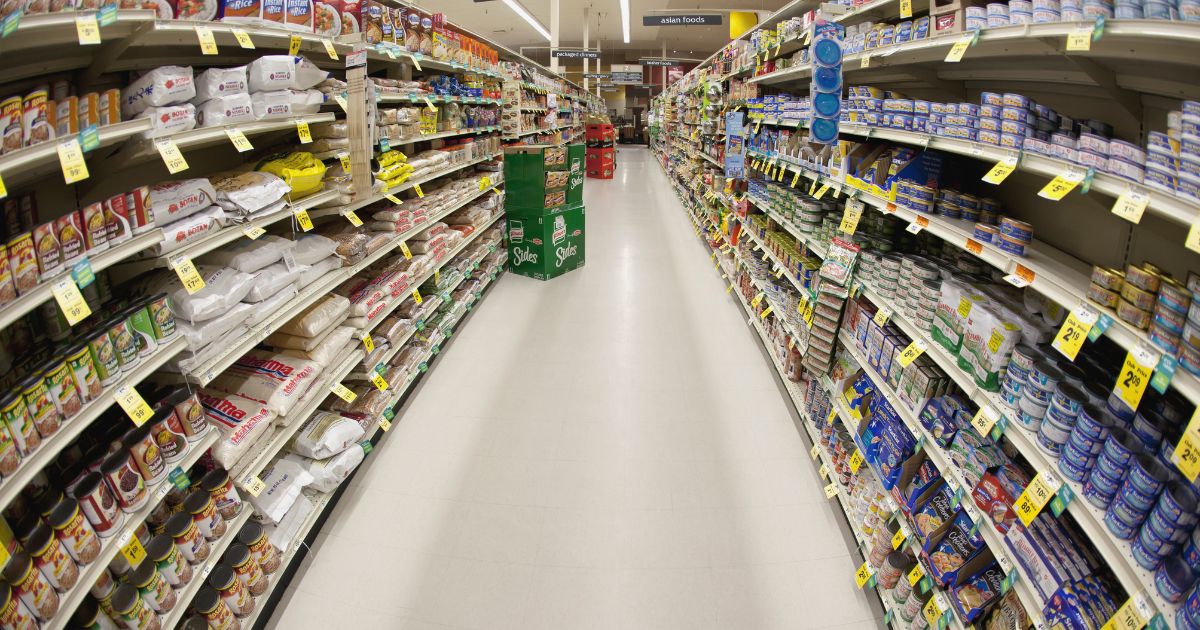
208,45
303,219
239,140
70,158
132,403
170,155
70,300
243,39
303,131
186,270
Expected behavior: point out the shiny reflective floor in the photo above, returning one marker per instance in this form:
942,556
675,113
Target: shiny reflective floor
605,450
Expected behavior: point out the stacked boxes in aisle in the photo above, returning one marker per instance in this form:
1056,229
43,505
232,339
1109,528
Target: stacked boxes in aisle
544,206
601,154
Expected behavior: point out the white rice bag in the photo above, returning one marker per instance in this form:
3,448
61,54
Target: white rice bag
249,256
225,110
276,380
240,421
284,480
271,280
318,318
311,273
165,85
283,534
220,82
284,103
283,72
325,434
171,201
190,229
327,348
249,192
223,288
330,472
169,119
265,308
201,334
313,247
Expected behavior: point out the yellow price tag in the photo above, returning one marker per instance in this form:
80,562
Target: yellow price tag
766,311
380,383
865,61
831,490
171,156
814,451
1131,204
1074,331
1135,375
882,316
1001,170
343,392
294,45
1134,614
974,246
808,314
856,461
254,486
3,190
1192,241
898,538
985,419
368,342
87,28
344,158
243,39
132,549
916,574
186,270
795,179
850,217
821,191
208,44
239,140
132,403
862,575
812,188
484,182
329,49
964,307
385,424
1036,495
416,293
1187,455
905,9
404,250
1058,187
1080,39
823,471
70,300
420,193
960,48
755,301
70,158
932,612
911,352
429,104
302,218
303,131
393,198
353,218
253,232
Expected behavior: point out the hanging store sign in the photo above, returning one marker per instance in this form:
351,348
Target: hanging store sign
576,54
682,20
658,62
597,75
626,74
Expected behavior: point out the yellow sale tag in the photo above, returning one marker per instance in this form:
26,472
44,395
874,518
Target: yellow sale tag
88,29
1187,455
823,471
862,575
294,45
856,461
795,179
882,316
3,190
1060,186
385,424
1193,237
302,218
1001,170
964,308
368,342
898,538
995,340
429,104
1131,204
186,270
812,188
1070,337
171,157
132,403
755,301
910,353
70,158
344,158
985,419
253,232
850,217
416,293
208,45
916,574
133,550
1080,40
379,382
484,182
243,39
814,451
821,191
865,61
932,612
329,49
239,140
1134,614
404,250
959,48
303,131
254,486
353,218
1036,495
70,300
343,392
831,490
905,9
1135,375
393,198
420,193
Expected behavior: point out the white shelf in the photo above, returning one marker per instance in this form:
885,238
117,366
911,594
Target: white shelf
407,185
419,99
22,165
442,134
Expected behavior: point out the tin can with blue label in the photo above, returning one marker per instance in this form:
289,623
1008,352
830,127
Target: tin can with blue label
1173,579
1152,539
1147,475
1095,497
1122,531
1070,470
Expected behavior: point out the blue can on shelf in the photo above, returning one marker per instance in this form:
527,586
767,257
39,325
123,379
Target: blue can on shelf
1136,499
1126,511
1092,422
1191,550
1153,540
1173,578
1121,530
1068,398
1104,483
1178,503
1183,621
1070,470
1142,556
1147,474
1094,496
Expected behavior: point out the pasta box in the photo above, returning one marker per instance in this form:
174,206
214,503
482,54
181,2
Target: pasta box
545,244
543,177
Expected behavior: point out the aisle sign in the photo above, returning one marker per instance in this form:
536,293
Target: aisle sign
1061,185
985,419
329,49
131,548
1135,374
1001,170
910,353
70,158
863,575
243,39
208,44
171,157
303,131
850,217
343,392
302,218
960,47
132,403
1036,495
1074,331
186,270
1131,204
88,29
239,140
294,45
905,9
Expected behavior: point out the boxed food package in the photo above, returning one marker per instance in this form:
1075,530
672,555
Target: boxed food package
546,245
543,177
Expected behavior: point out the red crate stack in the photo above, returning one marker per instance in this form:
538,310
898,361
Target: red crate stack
601,151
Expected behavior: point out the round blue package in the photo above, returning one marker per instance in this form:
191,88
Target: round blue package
824,130
1096,497
827,104
827,52
1183,620
827,80
1173,579
1144,558
1070,470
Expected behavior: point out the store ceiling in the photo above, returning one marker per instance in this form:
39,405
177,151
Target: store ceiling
493,20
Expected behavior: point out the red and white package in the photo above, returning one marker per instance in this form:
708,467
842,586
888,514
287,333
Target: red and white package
274,379
240,421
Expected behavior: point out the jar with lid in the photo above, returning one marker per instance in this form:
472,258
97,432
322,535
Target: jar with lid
167,432
132,612
244,565
224,494
254,536
189,412
188,539
74,532
15,414
231,589
14,614
51,559
103,591
209,604
152,588
171,564
123,478
145,454
199,504
89,615
31,586
99,505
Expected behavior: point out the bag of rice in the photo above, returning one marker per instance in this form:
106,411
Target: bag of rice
171,201
271,305
284,480
249,192
318,318
270,280
274,379
220,82
165,85
202,333
327,348
223,288
311,273
189,229
241,422
283,72
330,472
324,435
225,110
310,248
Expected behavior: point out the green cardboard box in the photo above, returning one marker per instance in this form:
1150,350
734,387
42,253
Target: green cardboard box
546,245
543,177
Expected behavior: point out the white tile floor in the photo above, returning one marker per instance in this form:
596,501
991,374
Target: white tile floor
606,450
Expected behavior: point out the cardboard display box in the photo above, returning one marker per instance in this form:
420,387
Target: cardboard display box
545,245
542,177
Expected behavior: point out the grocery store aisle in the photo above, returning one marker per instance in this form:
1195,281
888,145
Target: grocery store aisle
605,450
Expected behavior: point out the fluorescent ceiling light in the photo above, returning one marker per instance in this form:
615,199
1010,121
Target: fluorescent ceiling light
625,19
528,17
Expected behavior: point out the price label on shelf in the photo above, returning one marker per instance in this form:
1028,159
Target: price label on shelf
1080,40
1036,495
393,198
756,300
254,486
905,9
1192,241
368,342
420,193
985,419
863,575
1001,170
882,316
766,311
294,45
1135,374
186,270
823,471
850,217
911,352
88,29
865,61
1131,204
70,300
407,255
416,294
380,383
243,39
856,461
1134,614
1021,276
1061,185
70,158
239,140
352,218
964,307
171,156
933,610
821,191
899,537
484,182
208,44
430,105
795,179
920,223
343,392
344,158
132,404
814,451
303,131
303,219
831,490
1074,331
329,49
131,548
3,190
385,424
1187,455
915,574
960,47
974,246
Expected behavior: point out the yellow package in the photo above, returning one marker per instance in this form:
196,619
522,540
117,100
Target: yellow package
303,172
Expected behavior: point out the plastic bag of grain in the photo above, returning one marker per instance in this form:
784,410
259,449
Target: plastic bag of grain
240,421
284,480
249,255
274,379
330,472
325,435
988,339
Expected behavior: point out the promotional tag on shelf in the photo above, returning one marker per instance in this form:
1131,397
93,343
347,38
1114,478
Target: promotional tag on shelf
303,219
863,574
899,537
89,138
352,218
131,548
850,217
1080,39
882,316
865,61
795,179
1059,503
303,131
430,105
294,45
385,145
368,342
1131,204
814,451
960,47
380,383
766,311
910,353
344,158
239,140
905,9
356,58
1021,276
915,574
856,461
385,424
87,28
243,39
1135,374
756,300
10,24
964,307
1074,331
70,158
1192,241
3,190
485,182
1134,614
186,270
171,157
821,191
393,198
82,274
420,193
831,490
329,49
132,403
1036,495
343,392
416,294
70,300
823,471
1061,185
1001,170
407,252
179,478
208,44
917,225
254,486
985,419
1187,455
